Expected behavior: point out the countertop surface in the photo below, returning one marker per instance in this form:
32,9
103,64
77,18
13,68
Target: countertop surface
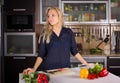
74,78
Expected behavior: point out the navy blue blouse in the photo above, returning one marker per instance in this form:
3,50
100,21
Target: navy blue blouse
56,54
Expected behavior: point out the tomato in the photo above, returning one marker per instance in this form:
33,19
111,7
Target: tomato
104,72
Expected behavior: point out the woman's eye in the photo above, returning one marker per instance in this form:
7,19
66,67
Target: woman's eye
53,15
48,16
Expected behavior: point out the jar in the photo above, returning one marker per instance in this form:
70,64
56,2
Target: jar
86,16
92,17
70,17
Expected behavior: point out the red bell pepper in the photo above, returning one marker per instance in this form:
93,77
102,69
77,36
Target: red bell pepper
92,76
104,72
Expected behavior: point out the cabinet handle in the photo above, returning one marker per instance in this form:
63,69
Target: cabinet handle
19,9
114,57
114,66
19,57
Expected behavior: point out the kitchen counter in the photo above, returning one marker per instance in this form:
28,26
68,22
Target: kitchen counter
91,59
102,59
74,78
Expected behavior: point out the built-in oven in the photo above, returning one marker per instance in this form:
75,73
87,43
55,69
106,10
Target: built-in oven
20,23
20,44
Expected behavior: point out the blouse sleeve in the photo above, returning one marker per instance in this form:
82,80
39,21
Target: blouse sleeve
41,49
74,50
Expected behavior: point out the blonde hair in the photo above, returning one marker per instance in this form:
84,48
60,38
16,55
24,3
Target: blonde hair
47,30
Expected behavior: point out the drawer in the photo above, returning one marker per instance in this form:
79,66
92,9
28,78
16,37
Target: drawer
115,70
113,61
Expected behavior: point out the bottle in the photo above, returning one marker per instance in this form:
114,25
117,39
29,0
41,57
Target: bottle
70,17
80,18
91,6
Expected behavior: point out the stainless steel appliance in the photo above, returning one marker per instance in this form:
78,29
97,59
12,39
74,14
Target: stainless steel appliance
19,44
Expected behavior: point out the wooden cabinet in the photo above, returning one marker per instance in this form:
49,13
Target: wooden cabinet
19,6
14,65
113,64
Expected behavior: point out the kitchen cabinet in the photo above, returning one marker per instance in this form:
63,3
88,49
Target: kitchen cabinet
15,65
44,4
114,11
19,15
85,11
113,64
19,6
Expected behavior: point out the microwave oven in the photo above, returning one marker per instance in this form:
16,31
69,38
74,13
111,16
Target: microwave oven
20,23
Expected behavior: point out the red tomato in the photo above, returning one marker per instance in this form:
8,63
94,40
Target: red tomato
103,72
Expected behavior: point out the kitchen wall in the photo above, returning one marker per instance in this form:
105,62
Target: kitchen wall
95,33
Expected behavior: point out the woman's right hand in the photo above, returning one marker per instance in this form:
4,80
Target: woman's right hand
28,71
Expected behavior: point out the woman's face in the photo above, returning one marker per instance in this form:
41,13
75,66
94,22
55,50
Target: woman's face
53,17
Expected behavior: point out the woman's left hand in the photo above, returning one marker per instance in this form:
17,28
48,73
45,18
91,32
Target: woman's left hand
90,65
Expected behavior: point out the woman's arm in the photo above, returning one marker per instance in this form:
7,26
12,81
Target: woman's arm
81,59
36,65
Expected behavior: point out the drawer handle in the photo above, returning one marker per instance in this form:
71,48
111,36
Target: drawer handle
19,57
19,9
114,57
114,66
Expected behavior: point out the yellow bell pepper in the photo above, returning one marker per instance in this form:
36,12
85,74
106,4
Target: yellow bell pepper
84,73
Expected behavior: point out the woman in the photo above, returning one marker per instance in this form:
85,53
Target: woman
56,44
